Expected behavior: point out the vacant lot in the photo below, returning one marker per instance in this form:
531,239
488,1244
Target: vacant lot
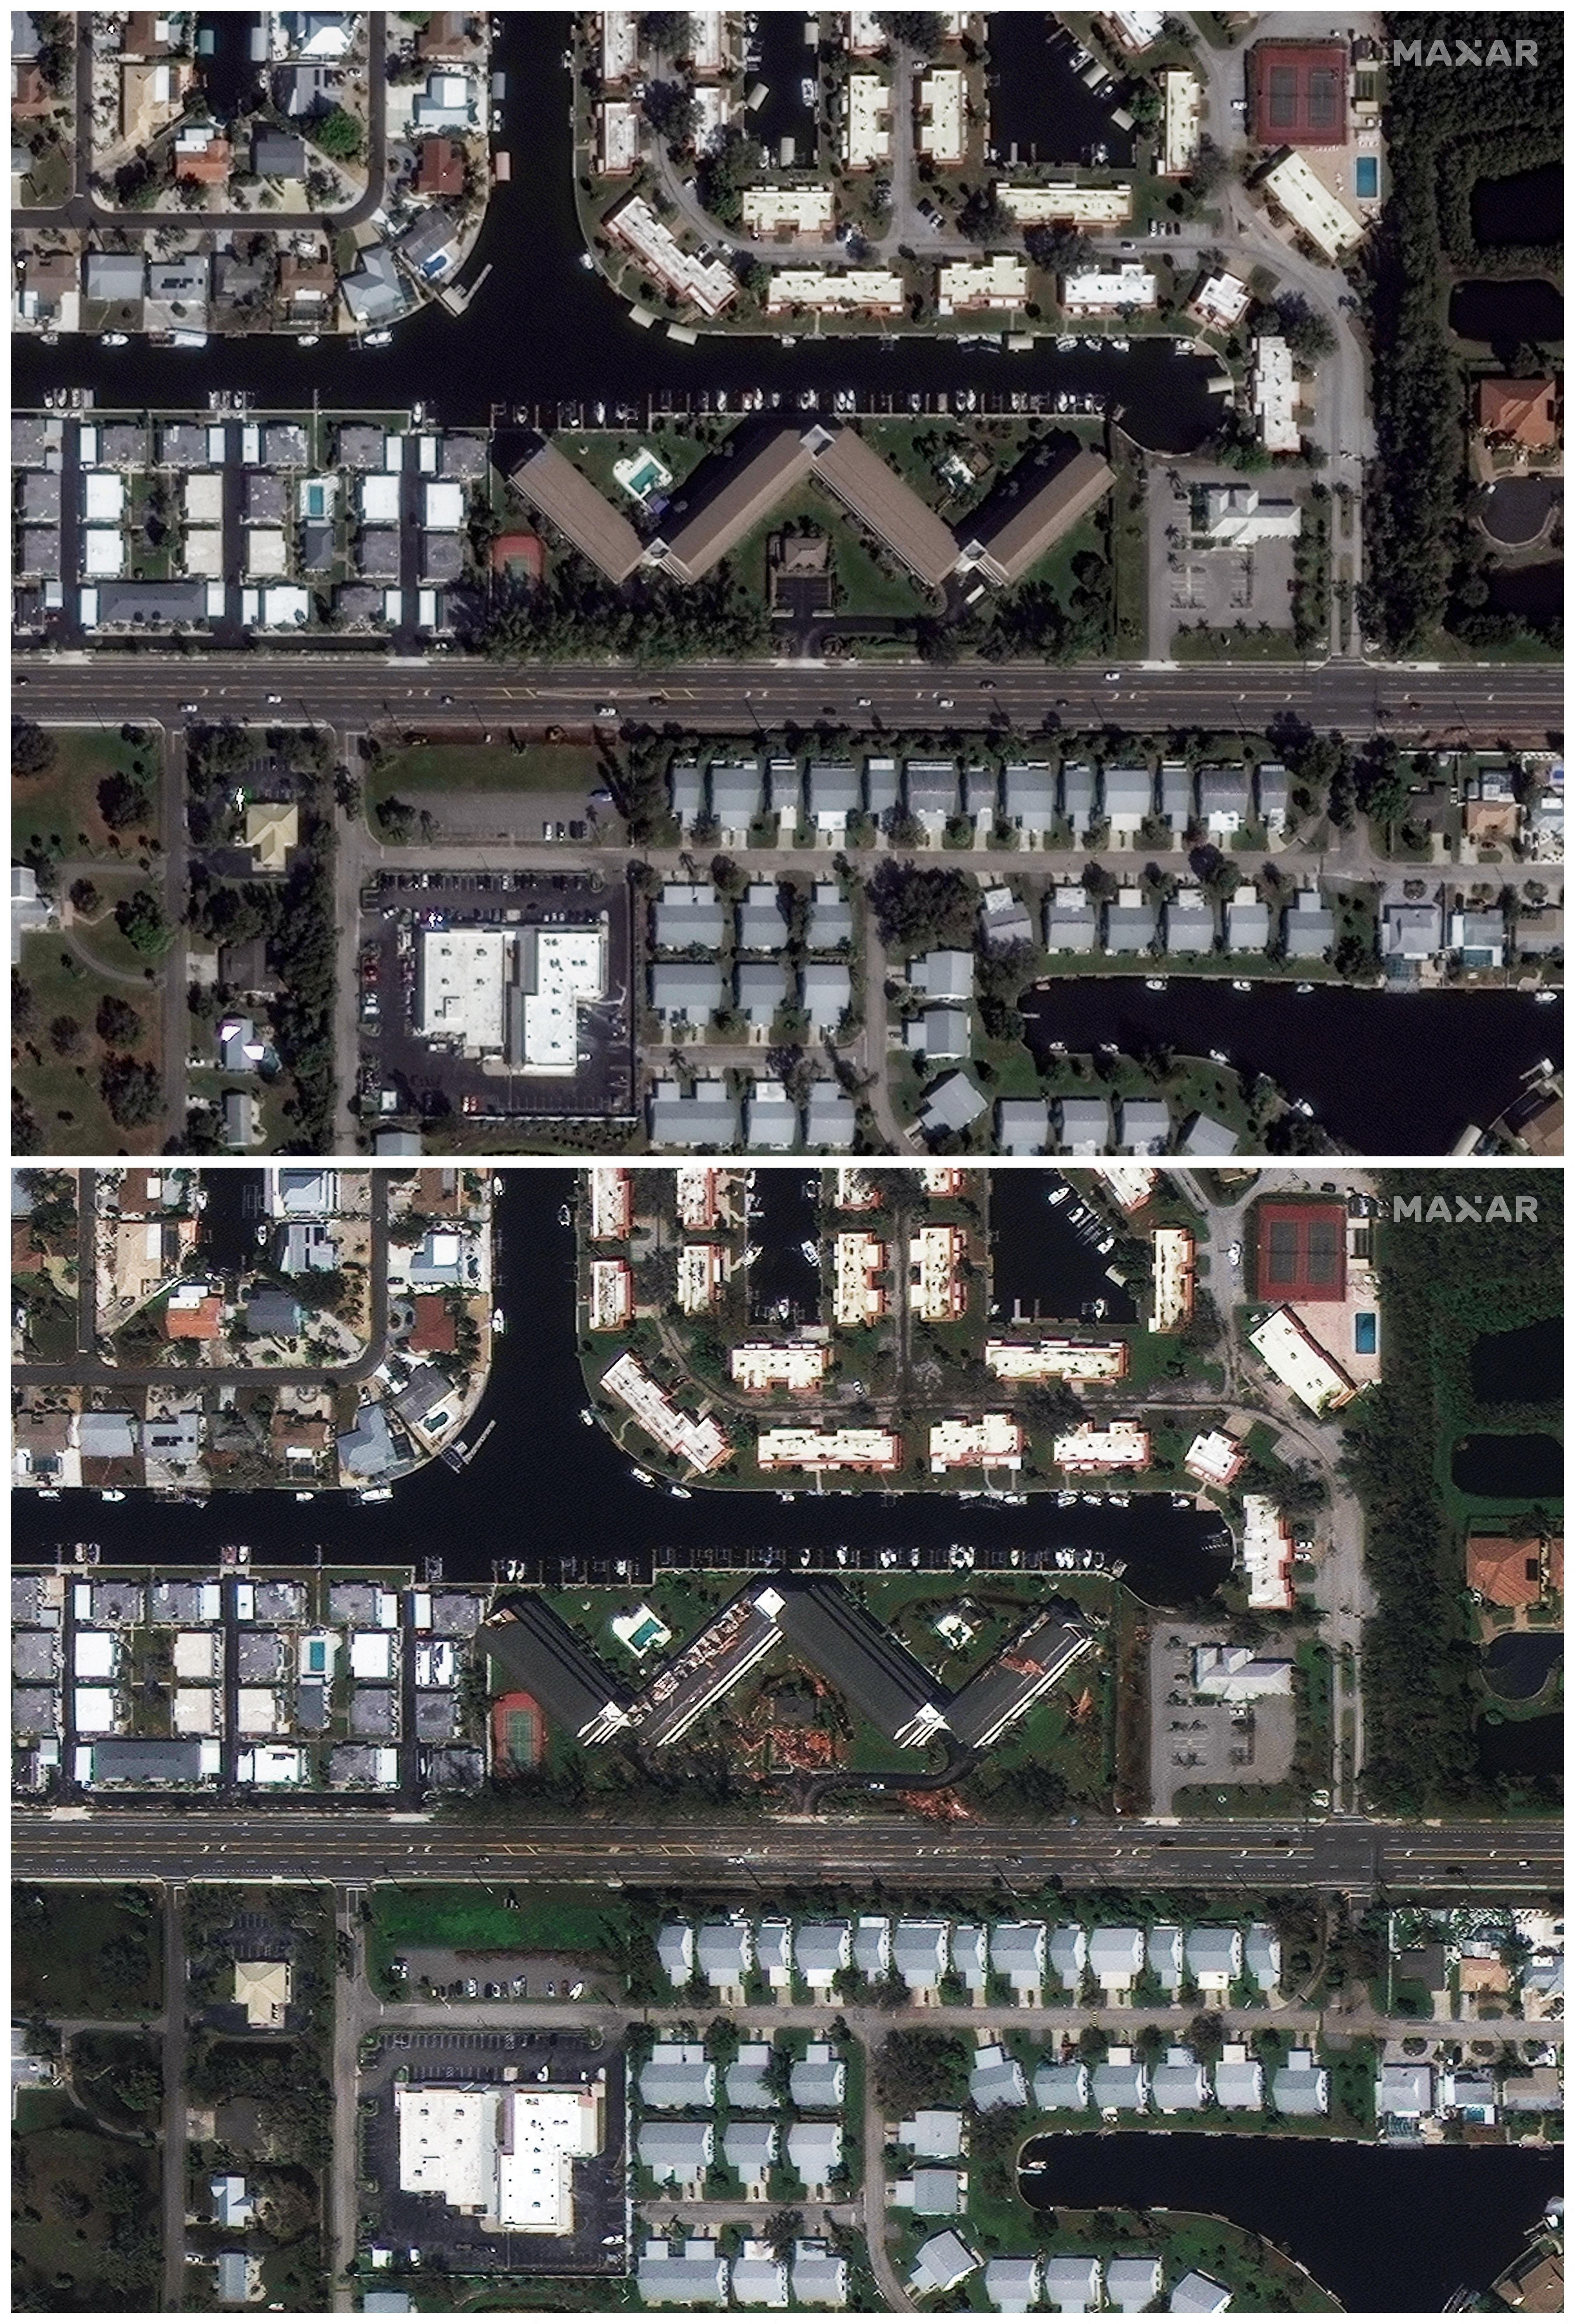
59,1044
416,773
481,1919
84,2232
86,1952
61,811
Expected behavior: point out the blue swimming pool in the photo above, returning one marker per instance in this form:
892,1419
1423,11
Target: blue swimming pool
1365,1329
1367,176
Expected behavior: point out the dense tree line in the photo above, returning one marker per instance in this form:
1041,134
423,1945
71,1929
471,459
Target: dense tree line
1442,1283
1415,537
651,618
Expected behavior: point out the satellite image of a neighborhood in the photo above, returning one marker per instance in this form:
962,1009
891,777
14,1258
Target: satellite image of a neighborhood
788,1317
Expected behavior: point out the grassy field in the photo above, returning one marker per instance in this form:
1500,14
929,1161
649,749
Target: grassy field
63,1092
85,2234
1234,645
59,810
560,766
479,1919
85,1952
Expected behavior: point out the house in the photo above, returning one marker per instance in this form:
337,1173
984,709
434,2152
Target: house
677,2074
1132,2281
830,1120
1077,798
941,1033
1022,1125
1224,800
996,2079
773,1939
819,2079
692,2275
814,2150
822,1949
939,2264
687,917
1069,1955
945,976
676,2154
770,1118
749,2148
1119,2084
1198,2295
1239,2079
675,1952
1086,1124
1145,1125
706,1117
1072,2283
1308,928
686,992
277,156
933,2134
934,2194
820,2278
748,2088
724,1954
1115,1958
1071,921
952,1103
1017,1952
1030,800
760,2279
827,994
1178,2083
1062,2088
1129,799
1214,1957
1404,2093
1247,922
919,1955
1262,1957
1478,937
760,990
1300,2086
1188,922
1011,2285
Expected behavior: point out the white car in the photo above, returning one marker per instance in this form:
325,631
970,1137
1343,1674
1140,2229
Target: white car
1112,676
273,697
1234,1254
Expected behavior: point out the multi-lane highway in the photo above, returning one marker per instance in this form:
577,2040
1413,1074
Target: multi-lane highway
303,1842
1521,704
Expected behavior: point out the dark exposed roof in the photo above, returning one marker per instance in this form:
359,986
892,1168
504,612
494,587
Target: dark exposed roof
751,491
536,1648
1016,1679
136,1760
876,1674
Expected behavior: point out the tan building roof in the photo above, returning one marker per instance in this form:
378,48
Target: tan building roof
262,1990
750,495
881,500
1042,517
557,490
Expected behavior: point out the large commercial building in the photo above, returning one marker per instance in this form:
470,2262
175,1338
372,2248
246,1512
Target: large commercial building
883,503
514,993
1039,519
1056,1359
876,1674
701,1442
1300,1364
541,1655
502,2156
1312,208
751,491
555,489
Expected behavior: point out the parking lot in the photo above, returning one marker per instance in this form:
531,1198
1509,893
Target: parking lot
495,2057
404,1075
1192,1740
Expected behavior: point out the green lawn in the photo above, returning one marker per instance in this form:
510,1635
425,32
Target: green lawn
84,2233
1234,645
62,1092
478,1920
85,1952
482,766
59,811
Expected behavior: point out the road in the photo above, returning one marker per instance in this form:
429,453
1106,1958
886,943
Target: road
344,1844
1517,702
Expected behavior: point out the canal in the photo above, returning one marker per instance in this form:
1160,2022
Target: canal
1386,2228
560,1499
1384,1072
545,331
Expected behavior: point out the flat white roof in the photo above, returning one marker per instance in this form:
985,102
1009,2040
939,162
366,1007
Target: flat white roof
462,987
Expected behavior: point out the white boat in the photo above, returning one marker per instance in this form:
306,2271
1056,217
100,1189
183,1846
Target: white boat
378,339
680,1492
498,1323
640,1478
188,338
306,1497
587,1417
1239,984
310,339
376,1493
115,340
112,1497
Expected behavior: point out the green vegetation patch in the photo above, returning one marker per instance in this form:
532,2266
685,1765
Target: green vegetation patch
482,1920
93,1952
95,793
85,2219
458,766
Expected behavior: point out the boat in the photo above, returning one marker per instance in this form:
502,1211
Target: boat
110,1496
640,1478
811,1250
1153,984
566,1217
375,1493
188,338
377,339
499,1325
49,1493
587,1417
1304,988
1545,998
1240,984
115,340
680,1492
306,1497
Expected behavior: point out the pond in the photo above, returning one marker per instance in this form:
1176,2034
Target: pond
1524,209
1522,1746
1520,1663
1525,1366
1046,1264
1517,509
1504,1468
1531,589
1526,307
1382,2227
1039,110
